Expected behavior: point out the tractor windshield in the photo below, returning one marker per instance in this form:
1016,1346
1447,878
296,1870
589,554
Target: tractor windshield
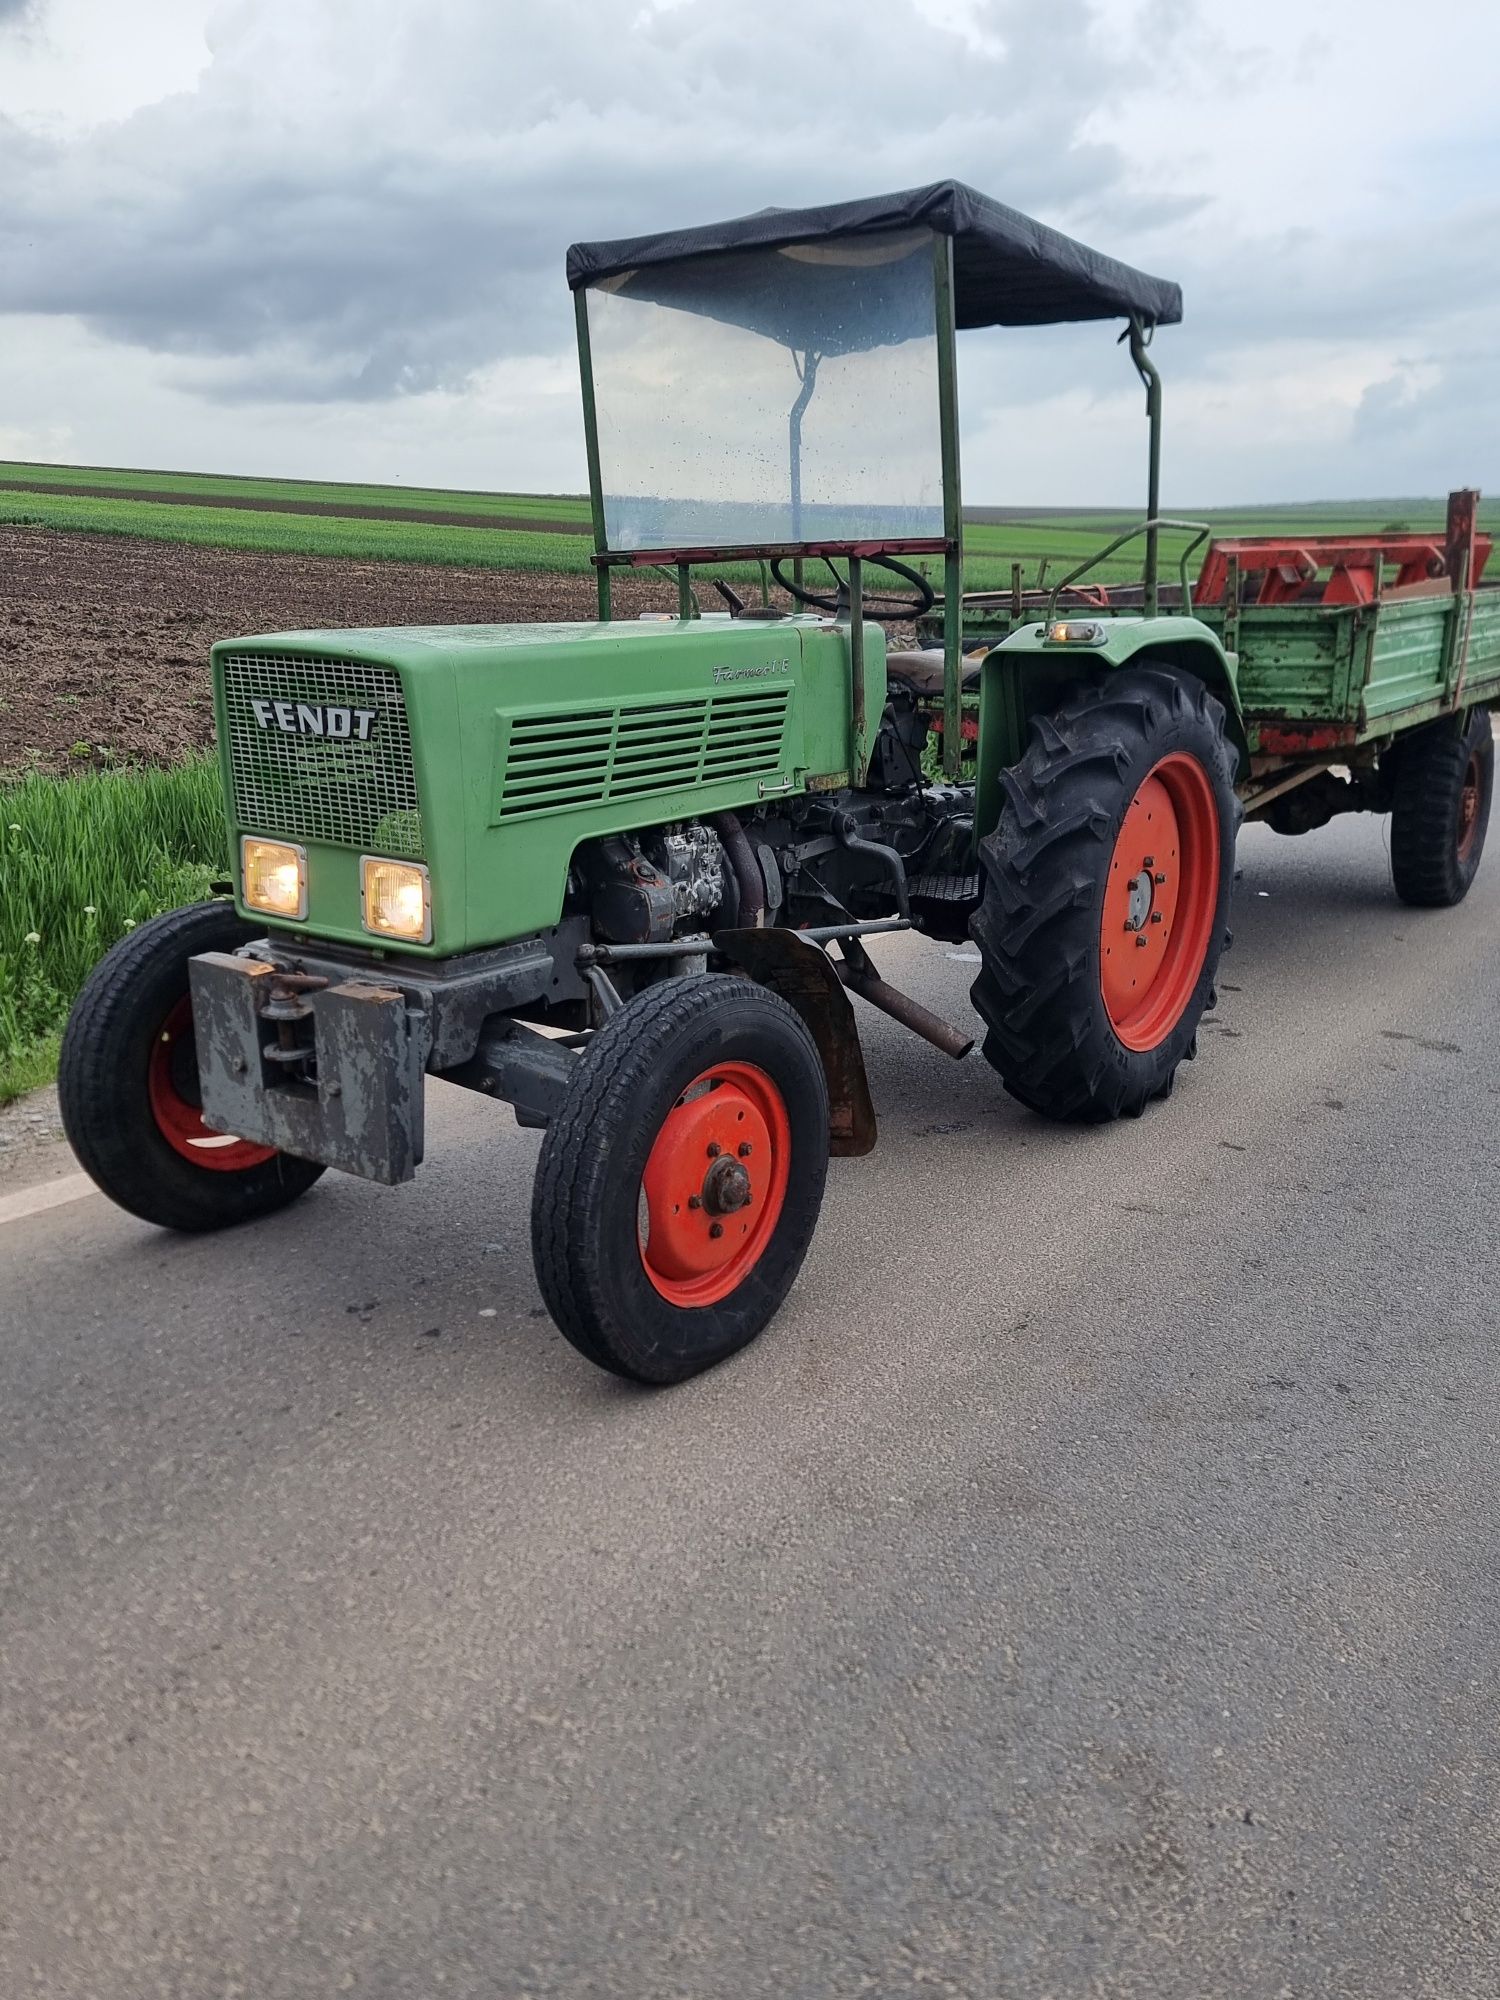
774,395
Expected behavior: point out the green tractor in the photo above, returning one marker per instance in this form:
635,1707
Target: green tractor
625,876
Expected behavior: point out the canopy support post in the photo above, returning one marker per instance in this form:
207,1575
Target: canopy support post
1139,341
591,447
953,513
859,719
807,374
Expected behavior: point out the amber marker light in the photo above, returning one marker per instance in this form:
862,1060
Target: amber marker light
1076,632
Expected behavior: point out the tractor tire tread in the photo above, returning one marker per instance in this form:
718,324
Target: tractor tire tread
1431,766
1036,925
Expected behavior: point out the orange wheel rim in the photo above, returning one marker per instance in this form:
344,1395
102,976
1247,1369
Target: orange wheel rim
1160,896
178,1119
714,1184
1468,807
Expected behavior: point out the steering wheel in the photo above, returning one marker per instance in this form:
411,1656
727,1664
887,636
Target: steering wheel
900,605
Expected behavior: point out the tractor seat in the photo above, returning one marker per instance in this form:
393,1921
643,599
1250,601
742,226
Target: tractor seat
922,671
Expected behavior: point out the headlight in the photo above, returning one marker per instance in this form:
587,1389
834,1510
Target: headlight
275,877
397,899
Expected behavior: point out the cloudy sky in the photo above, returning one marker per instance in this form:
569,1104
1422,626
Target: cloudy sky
326,237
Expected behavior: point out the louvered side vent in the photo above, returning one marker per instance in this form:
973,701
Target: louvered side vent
600,755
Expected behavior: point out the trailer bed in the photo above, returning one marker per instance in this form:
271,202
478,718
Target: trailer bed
1337,641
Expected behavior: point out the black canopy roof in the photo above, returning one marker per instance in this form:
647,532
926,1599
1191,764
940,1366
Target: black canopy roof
1007,269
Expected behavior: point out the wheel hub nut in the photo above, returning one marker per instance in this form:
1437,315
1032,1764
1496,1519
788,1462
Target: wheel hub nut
726,1187
1140,901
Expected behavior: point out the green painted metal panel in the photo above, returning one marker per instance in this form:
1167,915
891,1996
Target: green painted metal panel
1482,669
1305,662
1125,637
1292,665
518,742
953,513
1409,657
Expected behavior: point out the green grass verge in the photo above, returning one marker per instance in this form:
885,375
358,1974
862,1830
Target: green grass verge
30,1067
83,860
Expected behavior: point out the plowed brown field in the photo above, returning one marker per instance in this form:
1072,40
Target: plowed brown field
104,640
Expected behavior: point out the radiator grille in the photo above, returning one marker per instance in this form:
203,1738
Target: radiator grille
353,794
595,756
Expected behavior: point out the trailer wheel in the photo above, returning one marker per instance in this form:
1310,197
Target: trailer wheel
1106,888
679,1183
128,1086
1445,779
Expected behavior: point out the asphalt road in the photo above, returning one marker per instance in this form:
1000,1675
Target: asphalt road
1087,1587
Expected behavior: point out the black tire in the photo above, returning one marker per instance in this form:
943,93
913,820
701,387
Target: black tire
589,1199
1045,870
1440,811
104,1091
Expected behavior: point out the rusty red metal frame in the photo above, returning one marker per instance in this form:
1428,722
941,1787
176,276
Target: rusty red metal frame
1294,739
1467,550
1356,564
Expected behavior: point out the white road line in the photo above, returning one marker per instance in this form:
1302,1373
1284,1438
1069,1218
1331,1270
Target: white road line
51,1194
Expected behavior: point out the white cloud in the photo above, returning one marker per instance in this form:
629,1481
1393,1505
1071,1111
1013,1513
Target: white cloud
66,65
364,199
91,401
326,236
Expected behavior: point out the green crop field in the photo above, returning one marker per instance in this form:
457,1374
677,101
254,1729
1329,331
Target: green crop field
219,511
357,536
227,488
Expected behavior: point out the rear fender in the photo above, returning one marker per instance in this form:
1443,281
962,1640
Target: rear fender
1026,675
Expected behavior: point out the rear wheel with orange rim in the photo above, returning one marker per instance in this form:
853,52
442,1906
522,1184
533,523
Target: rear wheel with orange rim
1159,901
1106,888
680,1180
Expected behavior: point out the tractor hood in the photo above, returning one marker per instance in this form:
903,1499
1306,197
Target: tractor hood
474,649
488,752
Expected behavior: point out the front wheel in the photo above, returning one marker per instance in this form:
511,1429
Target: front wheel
1106,893
127,1086
680,1181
